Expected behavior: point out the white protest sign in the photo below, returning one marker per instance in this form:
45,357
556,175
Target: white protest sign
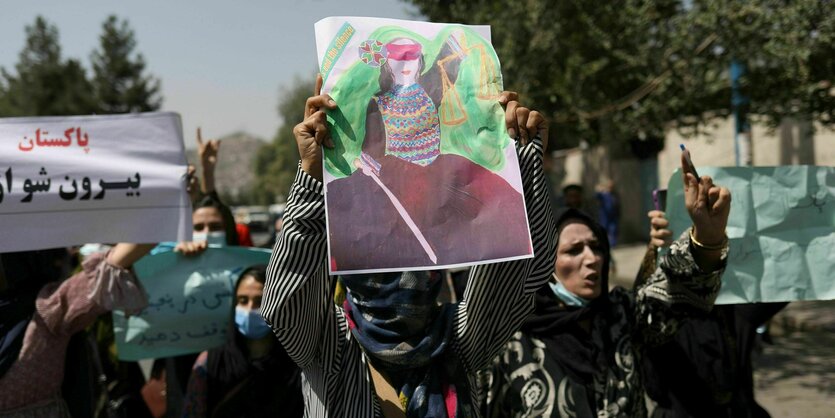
73,180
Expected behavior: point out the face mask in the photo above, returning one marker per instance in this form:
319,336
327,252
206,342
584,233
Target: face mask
564,295
250,323
216,238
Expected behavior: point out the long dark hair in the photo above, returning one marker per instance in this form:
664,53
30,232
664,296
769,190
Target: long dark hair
229,366
257,272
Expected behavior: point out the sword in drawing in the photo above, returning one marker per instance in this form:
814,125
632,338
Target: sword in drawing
371,168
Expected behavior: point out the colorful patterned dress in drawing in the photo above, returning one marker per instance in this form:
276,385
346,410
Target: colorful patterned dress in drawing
413,131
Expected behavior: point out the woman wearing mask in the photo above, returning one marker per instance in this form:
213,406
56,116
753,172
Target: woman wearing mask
391,350
251,376
578,355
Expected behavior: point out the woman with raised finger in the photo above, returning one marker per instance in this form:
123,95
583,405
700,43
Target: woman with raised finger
578,355
391,350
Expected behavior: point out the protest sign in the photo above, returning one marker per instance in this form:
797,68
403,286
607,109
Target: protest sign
190,302
73,180
423,174
781,231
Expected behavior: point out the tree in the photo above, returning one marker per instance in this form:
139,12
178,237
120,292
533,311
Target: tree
276,162
119,81
788,48
617,71
45,84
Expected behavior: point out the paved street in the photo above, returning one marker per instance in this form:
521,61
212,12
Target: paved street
795,377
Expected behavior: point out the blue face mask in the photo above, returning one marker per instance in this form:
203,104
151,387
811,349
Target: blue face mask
564,295
250,323
215,239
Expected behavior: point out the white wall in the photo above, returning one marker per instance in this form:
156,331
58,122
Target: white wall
787,145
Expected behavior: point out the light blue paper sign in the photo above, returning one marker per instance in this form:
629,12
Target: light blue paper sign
781,231
190,302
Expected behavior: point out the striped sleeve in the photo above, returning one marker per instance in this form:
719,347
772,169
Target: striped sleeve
296,302
499,296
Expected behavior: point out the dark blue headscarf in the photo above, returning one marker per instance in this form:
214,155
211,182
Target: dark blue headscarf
405,332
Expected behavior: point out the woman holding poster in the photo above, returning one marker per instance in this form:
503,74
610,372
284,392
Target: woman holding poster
422,357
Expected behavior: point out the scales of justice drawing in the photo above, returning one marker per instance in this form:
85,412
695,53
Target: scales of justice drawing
423,174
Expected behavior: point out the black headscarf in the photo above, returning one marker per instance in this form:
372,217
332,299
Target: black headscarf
24,274
557,325
261,385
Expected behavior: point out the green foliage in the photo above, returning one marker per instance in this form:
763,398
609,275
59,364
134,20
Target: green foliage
789,50
618,71
276,162
45,84
118,79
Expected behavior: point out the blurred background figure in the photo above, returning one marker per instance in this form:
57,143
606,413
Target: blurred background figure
572,196
608,205
40,313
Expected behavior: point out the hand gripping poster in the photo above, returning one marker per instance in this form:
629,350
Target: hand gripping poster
422,174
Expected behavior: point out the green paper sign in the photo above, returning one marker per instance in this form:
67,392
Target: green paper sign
189,302
781,231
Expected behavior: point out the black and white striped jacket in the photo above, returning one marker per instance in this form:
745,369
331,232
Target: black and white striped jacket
297,302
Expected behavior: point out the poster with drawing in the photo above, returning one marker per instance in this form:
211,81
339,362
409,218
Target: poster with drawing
422,174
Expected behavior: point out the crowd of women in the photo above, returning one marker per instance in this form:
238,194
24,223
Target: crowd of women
546,336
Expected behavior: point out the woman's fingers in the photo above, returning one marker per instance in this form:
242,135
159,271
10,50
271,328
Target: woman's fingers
522,114
705,184
655,214
319,81
659,223
537,125
191,248
510,119
316,103
723,201
508,96
661,233
313,126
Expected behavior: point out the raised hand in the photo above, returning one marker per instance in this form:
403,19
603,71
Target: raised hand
522,123
708,205
312,133
207,152
659,234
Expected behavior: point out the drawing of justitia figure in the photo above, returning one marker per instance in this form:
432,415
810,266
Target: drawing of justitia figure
459,211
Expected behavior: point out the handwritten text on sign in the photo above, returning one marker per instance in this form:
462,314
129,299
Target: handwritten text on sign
190,302
128,187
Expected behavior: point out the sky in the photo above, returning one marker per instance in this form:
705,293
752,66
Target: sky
222,64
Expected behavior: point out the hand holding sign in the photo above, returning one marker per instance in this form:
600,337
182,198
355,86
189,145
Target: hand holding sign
312,132
522,123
